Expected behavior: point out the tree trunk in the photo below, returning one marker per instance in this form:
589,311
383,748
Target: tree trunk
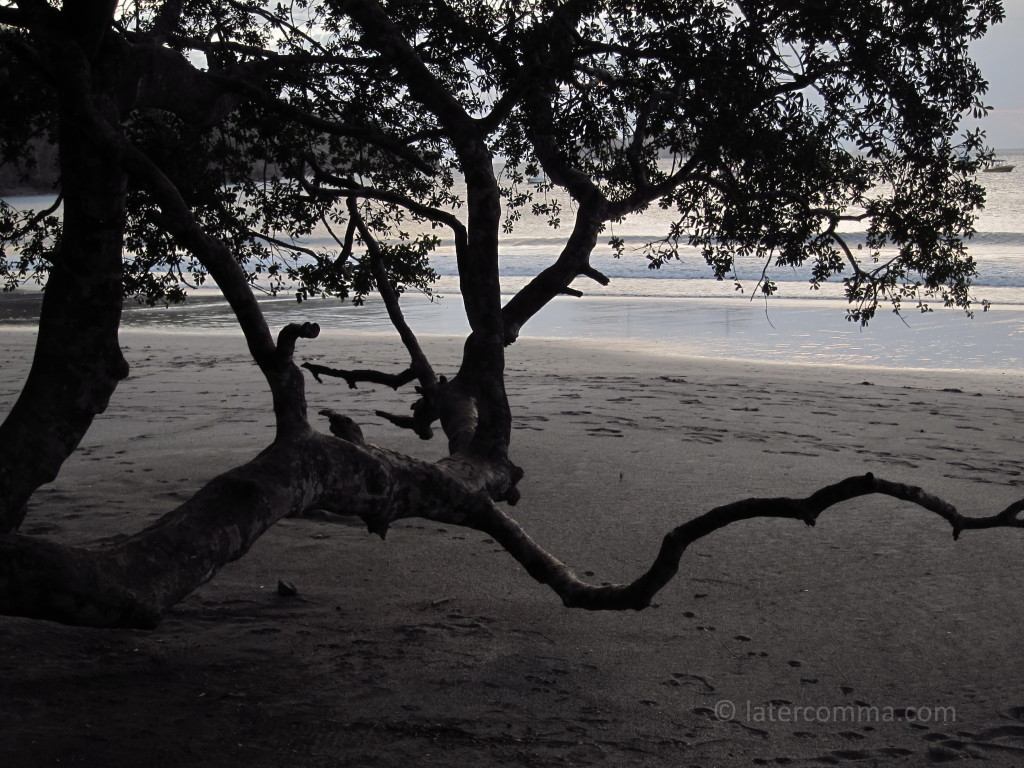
78,360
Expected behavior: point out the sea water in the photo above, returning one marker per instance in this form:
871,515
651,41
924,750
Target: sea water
681,310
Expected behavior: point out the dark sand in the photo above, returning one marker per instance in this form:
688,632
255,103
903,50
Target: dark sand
871,639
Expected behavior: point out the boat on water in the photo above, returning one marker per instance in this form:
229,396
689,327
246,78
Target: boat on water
1000,167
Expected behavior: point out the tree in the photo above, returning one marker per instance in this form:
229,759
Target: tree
201,139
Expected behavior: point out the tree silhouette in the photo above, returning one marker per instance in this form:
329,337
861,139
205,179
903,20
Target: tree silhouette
202,140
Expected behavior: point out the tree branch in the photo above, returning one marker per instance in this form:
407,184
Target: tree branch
349,189
425,410
352,378
290,334
572,262
32,221
381,140
637,595
13,17
420,364
163,78
132,583
541,121
380,30
274,361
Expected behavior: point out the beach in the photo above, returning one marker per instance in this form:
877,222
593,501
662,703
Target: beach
872,638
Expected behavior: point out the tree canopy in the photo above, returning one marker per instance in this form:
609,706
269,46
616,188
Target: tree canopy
761,126
202,140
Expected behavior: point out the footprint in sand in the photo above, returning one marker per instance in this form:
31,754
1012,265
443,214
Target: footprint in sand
687,679
872,754
1000,740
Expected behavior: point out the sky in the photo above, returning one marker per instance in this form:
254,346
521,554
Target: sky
1000,54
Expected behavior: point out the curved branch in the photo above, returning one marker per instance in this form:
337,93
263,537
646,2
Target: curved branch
541,130
290,334
33,221
420,364
134,581
351,190
273,359
637,595
214,255
554,281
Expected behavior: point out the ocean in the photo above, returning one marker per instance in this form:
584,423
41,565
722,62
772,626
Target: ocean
680,310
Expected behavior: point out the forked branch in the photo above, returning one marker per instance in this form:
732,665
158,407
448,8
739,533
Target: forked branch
419,364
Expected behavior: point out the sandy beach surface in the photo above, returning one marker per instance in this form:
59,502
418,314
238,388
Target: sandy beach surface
871,639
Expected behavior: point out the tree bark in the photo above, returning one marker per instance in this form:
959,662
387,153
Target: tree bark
476,397
78,360
132,583
573,261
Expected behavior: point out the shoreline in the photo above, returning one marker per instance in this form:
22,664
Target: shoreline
532,354
811,332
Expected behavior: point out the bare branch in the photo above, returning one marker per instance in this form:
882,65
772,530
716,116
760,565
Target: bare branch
291,333
419,426
352,378
554,281
282,243
637,595
420,364
595,275
344,427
